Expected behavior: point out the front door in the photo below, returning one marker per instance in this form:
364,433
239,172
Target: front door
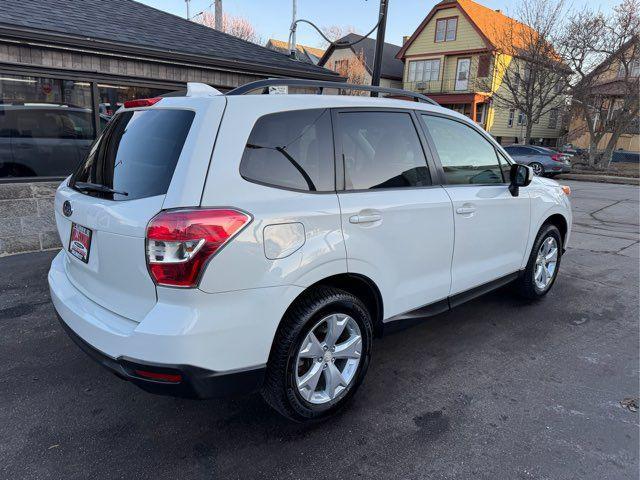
462,74
398,227
491,225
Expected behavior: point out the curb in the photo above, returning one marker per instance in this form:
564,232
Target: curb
599,178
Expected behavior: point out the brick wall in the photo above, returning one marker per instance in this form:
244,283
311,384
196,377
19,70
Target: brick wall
26,218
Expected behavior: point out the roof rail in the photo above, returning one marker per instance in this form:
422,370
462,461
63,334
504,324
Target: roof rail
321,85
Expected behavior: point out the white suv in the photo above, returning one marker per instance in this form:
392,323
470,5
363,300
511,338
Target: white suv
220,244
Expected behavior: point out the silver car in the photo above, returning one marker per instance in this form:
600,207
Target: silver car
543,161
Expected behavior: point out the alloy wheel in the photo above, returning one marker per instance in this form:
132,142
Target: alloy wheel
328,358
537,168
546,263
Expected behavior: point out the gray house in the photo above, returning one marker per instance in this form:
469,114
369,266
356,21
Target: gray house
363,52
67,65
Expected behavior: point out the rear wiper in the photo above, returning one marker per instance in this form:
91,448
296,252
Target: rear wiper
96,187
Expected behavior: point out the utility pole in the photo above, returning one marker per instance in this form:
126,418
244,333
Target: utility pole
377,63
293,49
188,2
218,15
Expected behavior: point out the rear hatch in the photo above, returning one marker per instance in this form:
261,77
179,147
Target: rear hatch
102,211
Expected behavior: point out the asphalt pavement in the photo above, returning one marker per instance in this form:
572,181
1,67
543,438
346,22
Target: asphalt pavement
496,389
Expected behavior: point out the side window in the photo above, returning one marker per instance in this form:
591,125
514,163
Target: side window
381,150
465,155
81,122
291,150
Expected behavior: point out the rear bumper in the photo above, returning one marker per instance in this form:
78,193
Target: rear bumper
194,382
219,343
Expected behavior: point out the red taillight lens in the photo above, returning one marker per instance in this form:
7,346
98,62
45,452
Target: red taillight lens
181,242
142,102
556,157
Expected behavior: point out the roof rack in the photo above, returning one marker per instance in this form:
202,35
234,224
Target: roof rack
321,85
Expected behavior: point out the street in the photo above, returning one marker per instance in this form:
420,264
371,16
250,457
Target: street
496,389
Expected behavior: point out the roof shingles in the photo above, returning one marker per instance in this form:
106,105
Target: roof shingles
132,23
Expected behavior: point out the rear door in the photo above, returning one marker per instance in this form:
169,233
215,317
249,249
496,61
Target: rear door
138,155
491,225
398,225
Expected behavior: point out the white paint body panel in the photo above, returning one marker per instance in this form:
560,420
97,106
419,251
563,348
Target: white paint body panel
408,252
419,252
491,240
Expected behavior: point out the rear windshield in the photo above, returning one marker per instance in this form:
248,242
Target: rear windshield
135,156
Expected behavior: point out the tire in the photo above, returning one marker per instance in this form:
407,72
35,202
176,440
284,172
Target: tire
527,285
538,169
307,314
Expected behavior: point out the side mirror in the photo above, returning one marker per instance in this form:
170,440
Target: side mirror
519,176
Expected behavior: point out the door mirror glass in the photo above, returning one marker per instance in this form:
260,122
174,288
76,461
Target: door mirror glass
520,176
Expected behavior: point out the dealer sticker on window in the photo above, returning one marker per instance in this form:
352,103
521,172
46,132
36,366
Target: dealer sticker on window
80,242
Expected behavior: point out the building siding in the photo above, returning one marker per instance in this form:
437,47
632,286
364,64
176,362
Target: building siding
467,38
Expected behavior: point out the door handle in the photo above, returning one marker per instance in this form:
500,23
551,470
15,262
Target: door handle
466,209
370,218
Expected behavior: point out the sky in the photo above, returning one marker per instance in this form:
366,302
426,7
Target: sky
272,18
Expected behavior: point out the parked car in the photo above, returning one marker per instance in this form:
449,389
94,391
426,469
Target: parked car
43,139
267,256
543,161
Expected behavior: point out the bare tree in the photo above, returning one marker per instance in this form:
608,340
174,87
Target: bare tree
355,72
336,32
531,73
233,25
604,52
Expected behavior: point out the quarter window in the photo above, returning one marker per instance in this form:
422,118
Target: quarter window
466,156
381,150
291,150
446,29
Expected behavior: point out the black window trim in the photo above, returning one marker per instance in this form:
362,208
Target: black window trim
339,159
443,179
291,189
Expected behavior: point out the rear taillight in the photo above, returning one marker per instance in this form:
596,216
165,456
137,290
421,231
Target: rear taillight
142,102
556,157
181,242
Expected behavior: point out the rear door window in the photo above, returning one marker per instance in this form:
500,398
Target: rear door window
381,150
136,154
292,150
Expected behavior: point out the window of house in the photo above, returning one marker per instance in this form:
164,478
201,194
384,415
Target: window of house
446,29
483,65
522,118
424,70
512,114
381,150
553,118
291,149
634,69
466,156
341,66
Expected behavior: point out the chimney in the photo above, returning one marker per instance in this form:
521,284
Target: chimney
405,38
498,10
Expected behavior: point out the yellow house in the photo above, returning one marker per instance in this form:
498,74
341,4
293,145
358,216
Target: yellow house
456,56
607,79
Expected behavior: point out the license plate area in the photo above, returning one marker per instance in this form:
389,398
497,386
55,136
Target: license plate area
80,242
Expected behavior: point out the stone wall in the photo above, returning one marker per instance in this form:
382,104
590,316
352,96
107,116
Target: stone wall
26,217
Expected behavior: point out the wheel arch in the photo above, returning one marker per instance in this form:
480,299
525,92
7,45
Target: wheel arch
358,285
559,221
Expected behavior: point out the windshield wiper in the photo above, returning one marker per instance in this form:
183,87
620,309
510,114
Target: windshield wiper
96,187
291,160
